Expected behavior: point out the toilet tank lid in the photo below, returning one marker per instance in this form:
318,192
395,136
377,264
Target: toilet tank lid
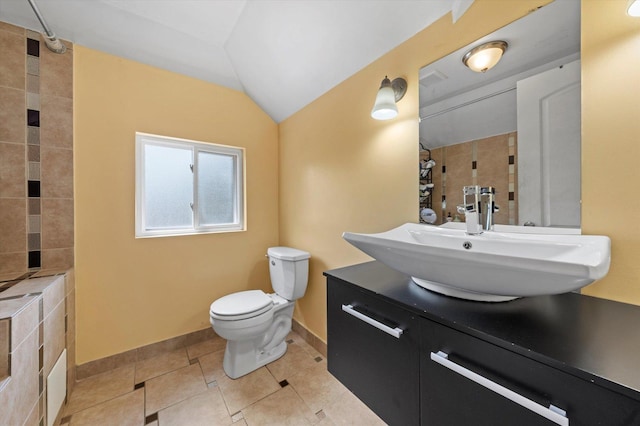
287,253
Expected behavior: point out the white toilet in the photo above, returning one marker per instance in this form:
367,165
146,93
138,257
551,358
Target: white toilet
254,323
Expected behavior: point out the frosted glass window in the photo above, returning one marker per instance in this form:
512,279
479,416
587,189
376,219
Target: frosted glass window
216,188
187,187
168,187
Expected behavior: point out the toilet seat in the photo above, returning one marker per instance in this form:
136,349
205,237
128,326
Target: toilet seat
241,305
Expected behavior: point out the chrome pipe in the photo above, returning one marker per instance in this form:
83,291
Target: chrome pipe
50,39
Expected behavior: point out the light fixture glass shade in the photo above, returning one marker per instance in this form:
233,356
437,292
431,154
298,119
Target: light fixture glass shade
484,57
633,8
385,106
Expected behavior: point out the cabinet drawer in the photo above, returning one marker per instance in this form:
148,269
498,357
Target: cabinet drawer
453,396
373,349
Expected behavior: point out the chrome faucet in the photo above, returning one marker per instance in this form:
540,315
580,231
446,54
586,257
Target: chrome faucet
478,208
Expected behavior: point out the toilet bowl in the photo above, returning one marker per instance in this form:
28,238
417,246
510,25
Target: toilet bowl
254,323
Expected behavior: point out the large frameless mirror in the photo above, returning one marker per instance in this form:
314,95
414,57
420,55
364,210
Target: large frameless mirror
515,127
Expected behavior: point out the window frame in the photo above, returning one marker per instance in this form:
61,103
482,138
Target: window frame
238,154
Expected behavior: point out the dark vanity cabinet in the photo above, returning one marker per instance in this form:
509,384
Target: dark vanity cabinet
374,351
419,358
467,381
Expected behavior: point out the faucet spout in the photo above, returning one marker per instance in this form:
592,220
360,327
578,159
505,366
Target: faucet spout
479,206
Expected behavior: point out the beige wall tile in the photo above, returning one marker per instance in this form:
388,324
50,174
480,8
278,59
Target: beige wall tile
24,323
493,170
57,259
57,223
70,301
34,417
458,161
12,66
71,365
21,393
12,115
5,26
57,172
53,295
12,264
13,225
5,347
54,337
56,121
56,73
12,170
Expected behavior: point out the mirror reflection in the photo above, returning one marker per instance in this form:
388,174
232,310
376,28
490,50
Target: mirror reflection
515,126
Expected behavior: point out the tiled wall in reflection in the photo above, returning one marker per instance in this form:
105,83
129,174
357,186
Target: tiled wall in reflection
36,154
486,162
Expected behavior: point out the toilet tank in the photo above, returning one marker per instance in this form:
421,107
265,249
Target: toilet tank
289,270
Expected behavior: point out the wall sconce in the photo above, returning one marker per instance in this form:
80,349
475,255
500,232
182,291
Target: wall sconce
485,56
633,8
390,92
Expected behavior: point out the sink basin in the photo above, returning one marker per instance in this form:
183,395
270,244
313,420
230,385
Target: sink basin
494,266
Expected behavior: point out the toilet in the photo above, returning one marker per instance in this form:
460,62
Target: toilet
254,323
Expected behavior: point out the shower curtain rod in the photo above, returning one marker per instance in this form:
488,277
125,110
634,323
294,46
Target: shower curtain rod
50,39
453,108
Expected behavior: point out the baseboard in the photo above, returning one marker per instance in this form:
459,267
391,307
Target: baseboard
308,336
112,362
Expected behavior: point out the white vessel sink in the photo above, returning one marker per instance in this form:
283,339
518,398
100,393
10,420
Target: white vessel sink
494,266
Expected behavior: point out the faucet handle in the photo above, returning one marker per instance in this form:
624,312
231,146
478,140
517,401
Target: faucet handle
464,208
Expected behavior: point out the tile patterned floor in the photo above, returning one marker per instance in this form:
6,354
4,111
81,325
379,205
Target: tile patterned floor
188,387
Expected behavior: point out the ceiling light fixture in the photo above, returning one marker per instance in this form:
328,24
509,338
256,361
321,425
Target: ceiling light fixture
389,93
633,8
485,56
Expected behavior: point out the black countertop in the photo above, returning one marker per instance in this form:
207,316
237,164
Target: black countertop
595,339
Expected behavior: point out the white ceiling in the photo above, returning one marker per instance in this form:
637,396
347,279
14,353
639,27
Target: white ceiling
282,53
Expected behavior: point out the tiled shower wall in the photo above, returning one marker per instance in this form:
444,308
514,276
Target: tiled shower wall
36,155
490,161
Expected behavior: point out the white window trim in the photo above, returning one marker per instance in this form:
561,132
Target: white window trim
239,224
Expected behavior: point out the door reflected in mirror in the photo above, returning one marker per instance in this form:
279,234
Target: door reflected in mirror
515,127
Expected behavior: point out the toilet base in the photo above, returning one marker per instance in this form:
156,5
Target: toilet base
244,356
238,366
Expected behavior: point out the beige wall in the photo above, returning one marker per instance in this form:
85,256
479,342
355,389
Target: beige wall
610,148
340,170
132,292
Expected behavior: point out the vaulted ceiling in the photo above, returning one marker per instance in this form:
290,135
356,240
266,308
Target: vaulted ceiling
281,53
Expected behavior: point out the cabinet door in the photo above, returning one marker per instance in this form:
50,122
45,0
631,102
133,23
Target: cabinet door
466,390
380,368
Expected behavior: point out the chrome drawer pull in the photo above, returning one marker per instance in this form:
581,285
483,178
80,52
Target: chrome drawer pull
395,332
553,413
